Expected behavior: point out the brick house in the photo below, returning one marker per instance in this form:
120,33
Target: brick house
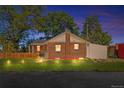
67,46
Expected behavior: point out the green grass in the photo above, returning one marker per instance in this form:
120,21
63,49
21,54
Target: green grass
62,65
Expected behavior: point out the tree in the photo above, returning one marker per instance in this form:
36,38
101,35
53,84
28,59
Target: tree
56,22
92,32
17,21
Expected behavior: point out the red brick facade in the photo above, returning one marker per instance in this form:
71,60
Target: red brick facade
67,49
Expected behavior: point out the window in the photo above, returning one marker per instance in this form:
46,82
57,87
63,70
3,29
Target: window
38,48
76,46
57,48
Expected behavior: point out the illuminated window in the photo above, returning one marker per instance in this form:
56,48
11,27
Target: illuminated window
76,46
38,48
57,48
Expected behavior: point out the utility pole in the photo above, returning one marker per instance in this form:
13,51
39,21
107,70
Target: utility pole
87,32
87,39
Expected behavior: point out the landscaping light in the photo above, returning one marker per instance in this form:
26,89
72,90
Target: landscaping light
81,58
8,62
22,61
39,60
74,61
57,61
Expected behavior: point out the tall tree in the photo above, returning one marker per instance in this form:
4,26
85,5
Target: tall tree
92,31
18,19
56,22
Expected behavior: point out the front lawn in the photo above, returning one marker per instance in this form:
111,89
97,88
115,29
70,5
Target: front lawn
61,65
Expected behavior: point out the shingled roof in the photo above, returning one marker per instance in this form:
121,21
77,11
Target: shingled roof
42,42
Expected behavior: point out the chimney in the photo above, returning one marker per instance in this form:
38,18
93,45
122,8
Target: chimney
67,35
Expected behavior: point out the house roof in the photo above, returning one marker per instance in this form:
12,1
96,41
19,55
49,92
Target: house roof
42,42
38,42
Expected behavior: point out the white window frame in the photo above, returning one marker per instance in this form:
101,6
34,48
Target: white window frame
58,48
76,46
38,48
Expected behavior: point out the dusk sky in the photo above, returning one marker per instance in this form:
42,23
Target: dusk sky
111,17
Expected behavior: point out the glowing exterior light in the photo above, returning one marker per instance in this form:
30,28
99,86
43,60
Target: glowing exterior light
8,62
39,60
74,61
22,61
57,61
81,58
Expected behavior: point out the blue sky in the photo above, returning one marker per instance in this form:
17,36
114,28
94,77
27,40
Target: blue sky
111,17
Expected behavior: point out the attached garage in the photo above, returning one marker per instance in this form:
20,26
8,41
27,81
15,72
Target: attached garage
96,51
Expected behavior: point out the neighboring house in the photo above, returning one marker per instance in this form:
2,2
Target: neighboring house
117,49
68,46
120,49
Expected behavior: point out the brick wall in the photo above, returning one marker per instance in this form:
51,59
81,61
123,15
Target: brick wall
67,49
52,53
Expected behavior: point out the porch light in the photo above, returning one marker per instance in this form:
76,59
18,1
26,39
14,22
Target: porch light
8,62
